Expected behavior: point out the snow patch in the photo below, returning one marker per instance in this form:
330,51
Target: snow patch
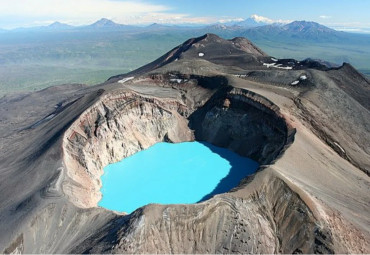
201,54
277,66
285,67
176,80
340,147
274,59
294,82
303,77
268,64
240,75
126,79
50,116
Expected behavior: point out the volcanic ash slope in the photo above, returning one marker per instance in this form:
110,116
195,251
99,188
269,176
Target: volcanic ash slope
305,123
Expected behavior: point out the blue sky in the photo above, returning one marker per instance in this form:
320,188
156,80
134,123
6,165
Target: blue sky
348,14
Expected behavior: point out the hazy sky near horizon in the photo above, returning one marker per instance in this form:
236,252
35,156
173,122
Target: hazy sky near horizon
334,13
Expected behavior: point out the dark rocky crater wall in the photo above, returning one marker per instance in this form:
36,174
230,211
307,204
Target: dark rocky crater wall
124,122
306,197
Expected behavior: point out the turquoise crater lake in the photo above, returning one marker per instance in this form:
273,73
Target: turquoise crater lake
169,173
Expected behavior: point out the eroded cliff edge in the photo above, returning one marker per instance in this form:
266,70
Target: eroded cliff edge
307,198
124,122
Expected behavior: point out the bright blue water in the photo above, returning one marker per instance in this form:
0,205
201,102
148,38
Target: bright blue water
172,174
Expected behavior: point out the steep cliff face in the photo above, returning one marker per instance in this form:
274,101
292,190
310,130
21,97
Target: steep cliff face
243,122
116,127
125,122
272,219
307,197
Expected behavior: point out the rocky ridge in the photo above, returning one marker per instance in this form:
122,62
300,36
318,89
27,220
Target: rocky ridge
309,196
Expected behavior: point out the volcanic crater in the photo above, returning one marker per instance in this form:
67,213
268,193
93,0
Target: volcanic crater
124,122
295,119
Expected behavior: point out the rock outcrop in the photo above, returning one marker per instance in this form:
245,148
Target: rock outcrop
122,123
272,220
311,138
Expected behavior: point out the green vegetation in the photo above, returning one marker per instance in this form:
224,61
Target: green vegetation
39,61
35,60
17,78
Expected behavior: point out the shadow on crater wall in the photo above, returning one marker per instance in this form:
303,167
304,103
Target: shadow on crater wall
239,170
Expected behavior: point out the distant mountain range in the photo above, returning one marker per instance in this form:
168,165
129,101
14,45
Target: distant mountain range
59,26
101,25
255,21
305,28
296,30
107,24
249,22
104,23
76,50
254,28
